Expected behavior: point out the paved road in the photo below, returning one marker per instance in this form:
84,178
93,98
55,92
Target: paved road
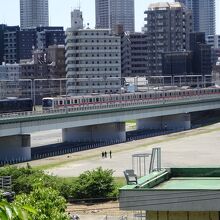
196,148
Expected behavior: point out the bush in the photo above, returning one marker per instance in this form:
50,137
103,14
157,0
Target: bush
97,183
24,179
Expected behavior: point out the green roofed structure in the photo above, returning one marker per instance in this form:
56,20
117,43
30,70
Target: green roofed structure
175,194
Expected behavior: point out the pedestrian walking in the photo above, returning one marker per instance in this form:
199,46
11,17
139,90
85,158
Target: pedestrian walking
110,154
105,154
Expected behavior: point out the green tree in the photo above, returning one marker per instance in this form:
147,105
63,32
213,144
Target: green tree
9,211
25,179
47,202
97,183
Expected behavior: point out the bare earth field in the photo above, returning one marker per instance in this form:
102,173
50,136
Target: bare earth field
196,148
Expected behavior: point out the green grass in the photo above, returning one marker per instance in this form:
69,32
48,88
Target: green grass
65,161
120,181
131,122
67,179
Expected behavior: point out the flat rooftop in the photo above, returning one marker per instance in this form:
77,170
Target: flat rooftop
180,178
190,183
174,189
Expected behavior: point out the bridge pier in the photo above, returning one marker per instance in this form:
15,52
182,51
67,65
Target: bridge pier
15,148
170,122
94,133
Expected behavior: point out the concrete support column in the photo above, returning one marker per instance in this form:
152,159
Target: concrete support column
94,133
170,122
15,148
149,123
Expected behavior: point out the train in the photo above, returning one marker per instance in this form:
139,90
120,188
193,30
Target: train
50,103
14,104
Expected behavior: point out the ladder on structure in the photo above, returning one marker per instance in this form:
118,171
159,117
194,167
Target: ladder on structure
156,154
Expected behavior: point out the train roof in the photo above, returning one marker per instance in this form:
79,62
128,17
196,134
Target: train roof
135,93
14,99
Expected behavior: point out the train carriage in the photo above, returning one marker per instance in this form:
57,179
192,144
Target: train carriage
101,100
13,104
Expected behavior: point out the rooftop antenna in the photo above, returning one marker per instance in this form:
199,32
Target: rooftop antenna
79,4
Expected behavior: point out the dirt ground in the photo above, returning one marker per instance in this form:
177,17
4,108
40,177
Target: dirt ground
98,210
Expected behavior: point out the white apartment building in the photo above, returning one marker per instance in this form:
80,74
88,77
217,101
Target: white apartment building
93,59
213,41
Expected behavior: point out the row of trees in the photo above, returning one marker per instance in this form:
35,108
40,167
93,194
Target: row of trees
44,197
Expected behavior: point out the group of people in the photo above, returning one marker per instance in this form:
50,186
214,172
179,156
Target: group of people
105,154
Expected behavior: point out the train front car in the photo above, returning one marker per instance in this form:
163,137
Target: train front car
48,104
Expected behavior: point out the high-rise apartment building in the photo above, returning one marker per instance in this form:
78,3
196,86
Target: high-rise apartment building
34,13
134,54
110,13
93,59
203,15
201,55
168,27
10,44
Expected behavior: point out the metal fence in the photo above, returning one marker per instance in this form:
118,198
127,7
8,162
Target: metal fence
5,182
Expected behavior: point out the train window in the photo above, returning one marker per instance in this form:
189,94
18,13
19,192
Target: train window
47,103
68,102
90,100
97,99
61,102
75,101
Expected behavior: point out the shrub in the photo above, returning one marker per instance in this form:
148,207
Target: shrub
97,183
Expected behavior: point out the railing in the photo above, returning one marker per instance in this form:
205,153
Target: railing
117,105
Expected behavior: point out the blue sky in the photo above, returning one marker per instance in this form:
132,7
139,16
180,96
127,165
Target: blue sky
60,12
